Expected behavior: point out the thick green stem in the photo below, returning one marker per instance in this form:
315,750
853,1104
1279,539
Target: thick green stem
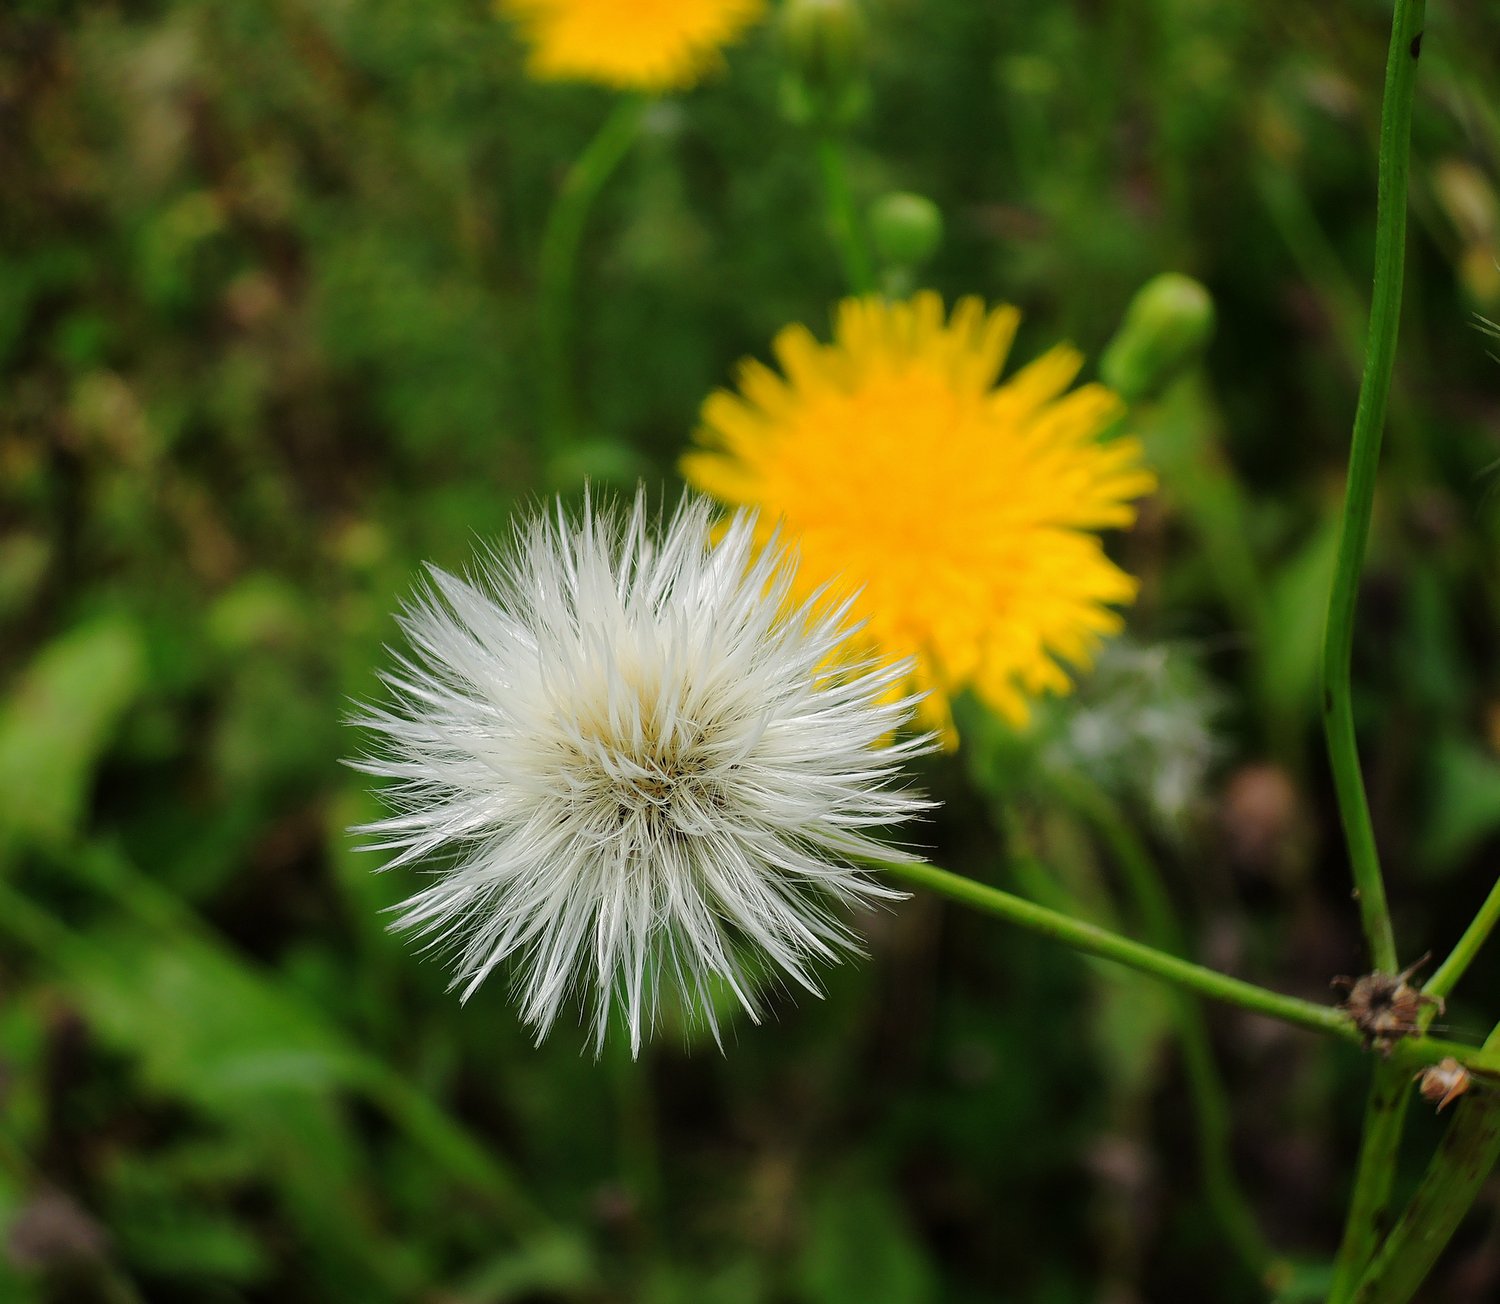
1094,940
558,265
1447,974
1464,1161
1369,1205
1468,1154
1364,460
842,222
1390,1091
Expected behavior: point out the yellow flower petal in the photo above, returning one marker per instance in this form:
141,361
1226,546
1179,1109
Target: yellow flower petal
958,510
645,45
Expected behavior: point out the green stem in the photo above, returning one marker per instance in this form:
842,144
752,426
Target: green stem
1212,1115
1412,1053
1418,1052
842,222
1465,1159
1369,1205
1389,1093
558,265
1210,1098
1467,1155
1094,940
1447,974
1364,459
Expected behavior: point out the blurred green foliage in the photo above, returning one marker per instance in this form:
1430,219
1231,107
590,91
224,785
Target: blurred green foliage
268,341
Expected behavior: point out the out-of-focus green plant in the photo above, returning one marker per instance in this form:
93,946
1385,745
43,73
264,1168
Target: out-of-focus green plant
270,337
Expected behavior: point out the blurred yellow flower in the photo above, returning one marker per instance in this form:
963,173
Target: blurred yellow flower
644,45
962,510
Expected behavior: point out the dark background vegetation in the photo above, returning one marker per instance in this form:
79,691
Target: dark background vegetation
267,341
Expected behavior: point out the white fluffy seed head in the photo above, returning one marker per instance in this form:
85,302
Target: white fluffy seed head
636,763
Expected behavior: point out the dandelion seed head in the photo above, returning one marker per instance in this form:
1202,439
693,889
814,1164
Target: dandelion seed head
640,760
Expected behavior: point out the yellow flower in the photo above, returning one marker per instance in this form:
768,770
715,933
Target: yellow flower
962,511
645,45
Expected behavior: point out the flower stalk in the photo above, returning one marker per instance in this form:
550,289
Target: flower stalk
1095,940
1091,939
558,265
843,223
1385,1117
1445,977
1359,495
1389,1093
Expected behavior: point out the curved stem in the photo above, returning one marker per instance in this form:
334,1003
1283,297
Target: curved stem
1445,977
841,219
558,264
1390,1091
1364,459
1409,1054
1094,940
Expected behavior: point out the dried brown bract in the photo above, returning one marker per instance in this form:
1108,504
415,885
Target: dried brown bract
1444,1082
1386,1007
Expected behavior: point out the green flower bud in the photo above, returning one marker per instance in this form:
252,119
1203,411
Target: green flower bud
905,228
824,45
1166,328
